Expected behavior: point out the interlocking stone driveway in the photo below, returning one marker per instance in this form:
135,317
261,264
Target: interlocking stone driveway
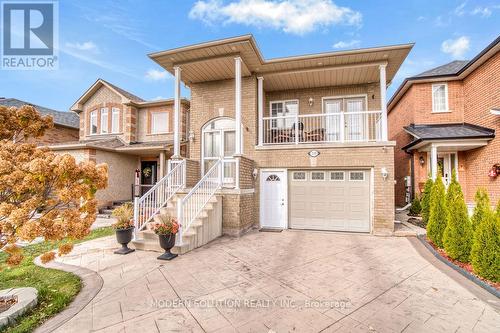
365,283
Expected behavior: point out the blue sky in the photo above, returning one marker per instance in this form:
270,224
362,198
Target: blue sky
111,39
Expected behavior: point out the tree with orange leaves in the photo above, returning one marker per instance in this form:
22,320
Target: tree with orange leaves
42,194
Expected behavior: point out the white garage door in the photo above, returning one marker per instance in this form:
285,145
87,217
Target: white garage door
330,200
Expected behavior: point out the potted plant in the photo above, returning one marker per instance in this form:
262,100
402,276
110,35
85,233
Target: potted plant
124,227
166,228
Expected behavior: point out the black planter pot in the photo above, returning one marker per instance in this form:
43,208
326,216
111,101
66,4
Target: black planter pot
167,242
123,237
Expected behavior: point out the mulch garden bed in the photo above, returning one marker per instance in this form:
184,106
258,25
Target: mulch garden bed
465,266
416,221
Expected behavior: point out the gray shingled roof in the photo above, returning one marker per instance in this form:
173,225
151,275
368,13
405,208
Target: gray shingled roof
63,118
447,132
451,68
132,97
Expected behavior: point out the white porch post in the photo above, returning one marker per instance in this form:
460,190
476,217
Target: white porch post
162,164
260,107
177,113
383,101
237,103
434,166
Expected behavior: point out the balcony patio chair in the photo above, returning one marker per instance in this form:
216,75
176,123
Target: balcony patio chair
315,135
300,132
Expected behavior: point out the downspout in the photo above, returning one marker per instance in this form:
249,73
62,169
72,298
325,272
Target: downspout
412,176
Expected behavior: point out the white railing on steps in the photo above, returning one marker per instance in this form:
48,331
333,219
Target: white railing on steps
147,206
193,203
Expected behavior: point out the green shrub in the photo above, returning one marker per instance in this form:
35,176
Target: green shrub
457,236
426,199
437,213
415,208
498,208
485,254
482,207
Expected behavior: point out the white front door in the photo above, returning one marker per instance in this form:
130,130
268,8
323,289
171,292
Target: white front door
446,163
273,199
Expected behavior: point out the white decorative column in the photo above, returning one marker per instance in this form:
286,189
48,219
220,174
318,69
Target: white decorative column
260,108
237,103
177,113
162,165
434,164
383,101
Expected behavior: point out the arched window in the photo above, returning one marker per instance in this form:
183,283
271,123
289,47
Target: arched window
219,142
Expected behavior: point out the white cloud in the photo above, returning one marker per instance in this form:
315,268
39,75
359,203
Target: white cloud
156,75
460,10
291,16
157,98
482,11
343,45
85,46
456,47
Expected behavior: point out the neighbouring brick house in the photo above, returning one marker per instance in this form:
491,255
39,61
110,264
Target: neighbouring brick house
299,142
133,136
446,118
66,124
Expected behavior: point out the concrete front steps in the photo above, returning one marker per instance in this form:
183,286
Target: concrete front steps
206,227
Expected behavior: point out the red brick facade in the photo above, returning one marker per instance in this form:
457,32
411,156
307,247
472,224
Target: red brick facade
470,100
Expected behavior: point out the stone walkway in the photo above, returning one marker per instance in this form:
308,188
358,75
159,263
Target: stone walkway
296,281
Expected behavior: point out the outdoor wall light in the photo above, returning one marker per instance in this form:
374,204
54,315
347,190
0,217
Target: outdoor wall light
255,172
384,173
191,136
311,101
421,160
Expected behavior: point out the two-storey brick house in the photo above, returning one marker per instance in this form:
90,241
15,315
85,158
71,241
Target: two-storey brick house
445,119
297,142
133,136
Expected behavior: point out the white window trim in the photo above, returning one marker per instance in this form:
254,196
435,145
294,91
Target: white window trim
299,180
318,180
104,129
356,180
283,102
337,180
447,108
168,123
93,114
113,112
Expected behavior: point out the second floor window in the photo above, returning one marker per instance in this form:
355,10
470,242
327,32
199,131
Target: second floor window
159,122
104,120
440,97
284,109
93,122
115,120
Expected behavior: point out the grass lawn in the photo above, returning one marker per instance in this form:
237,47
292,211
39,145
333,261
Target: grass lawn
56,289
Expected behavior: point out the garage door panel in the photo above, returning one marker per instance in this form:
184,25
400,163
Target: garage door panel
330,204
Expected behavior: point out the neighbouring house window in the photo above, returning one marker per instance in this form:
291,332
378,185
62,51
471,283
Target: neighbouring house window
286,109
337,175
93,122
356,175
115,120
317,175
104,120
299,175
440,97
159,122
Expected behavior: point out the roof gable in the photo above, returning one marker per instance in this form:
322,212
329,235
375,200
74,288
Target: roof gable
126,96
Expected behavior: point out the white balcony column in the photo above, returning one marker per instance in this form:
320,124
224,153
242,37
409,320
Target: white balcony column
237,103
260,108
433,161
177,113
383,101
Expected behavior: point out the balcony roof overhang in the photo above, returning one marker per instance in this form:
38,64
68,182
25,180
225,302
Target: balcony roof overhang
212,61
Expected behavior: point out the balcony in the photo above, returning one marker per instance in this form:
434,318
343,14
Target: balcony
340,127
